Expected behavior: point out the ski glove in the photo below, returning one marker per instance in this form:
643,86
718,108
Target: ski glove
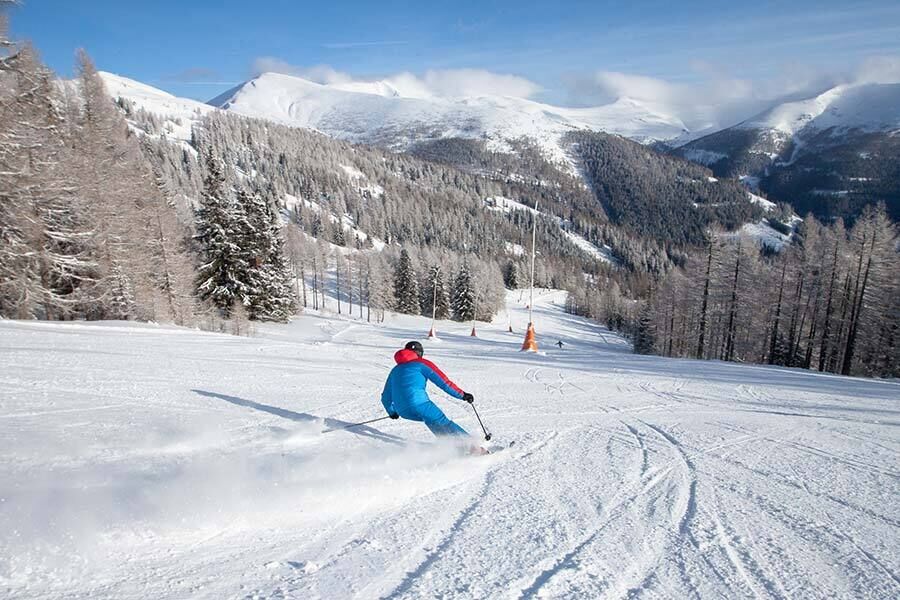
468,397
394,415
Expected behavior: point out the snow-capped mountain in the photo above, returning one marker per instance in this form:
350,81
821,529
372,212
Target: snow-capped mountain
380,113
178,114
826,153
868,107
780,133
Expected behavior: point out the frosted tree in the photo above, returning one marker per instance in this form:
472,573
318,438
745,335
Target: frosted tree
220,225
644,338
48,266
464,294
379,287
434,294
269,294
511,275
406,289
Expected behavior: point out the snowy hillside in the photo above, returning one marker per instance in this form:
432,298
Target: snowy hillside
178,113
868,107
140,461
830,154
378,113
782,132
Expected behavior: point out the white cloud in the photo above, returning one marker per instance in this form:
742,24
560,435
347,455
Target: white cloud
879,69
474,82
447,83
716,98
319,73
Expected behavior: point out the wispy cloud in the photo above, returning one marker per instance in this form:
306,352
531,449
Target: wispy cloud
345,45
718,98
446,83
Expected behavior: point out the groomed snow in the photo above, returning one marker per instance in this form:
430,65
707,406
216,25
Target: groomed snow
143,461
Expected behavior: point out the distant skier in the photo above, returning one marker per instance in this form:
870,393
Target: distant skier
404,392
560,344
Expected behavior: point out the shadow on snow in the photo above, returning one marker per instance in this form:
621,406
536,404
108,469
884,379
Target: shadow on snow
331,424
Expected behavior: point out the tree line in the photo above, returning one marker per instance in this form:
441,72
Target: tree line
86,227
828,302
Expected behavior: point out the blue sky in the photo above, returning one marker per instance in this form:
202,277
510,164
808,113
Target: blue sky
198,48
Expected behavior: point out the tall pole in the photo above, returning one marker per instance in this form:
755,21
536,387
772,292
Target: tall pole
431,332
533,238
474,315
530,343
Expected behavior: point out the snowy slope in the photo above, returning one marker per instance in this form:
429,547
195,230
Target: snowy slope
149,462
179,113
784,132
866,107
603,254
377,113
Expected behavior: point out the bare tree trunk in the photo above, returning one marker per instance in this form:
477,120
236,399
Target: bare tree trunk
824,349
337,271
350,284
857,309
792,328
836,357
315,283
703,310
167,275
774,339
732,313
303,280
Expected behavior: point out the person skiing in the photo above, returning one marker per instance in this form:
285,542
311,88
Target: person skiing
560,344
404,393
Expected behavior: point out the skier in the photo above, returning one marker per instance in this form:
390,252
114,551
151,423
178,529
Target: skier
560,344
404,393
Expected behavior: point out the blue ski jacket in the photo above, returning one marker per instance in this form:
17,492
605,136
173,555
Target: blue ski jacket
404,391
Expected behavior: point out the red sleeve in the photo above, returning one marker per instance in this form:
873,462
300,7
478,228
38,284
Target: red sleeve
441,374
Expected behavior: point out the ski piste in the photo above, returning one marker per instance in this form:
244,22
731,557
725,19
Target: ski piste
147,461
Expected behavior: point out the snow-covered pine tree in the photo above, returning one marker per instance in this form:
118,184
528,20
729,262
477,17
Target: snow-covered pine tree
644,333
434,281
406,288
464,296
270,296
220,226
511,276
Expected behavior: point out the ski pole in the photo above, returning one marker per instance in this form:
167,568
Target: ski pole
487,436
357,424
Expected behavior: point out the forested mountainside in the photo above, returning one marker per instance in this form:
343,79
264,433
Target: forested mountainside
838,177
830,155
657,196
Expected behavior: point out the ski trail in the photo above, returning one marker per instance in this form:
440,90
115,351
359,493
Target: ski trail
432,551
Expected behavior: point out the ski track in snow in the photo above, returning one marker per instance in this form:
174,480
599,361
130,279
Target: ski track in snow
141,461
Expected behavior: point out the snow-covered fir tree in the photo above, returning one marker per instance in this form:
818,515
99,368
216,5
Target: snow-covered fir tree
511,275
221,225
406,288
464,294
434,293
270,296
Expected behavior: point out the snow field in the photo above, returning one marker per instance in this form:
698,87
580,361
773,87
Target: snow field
148,461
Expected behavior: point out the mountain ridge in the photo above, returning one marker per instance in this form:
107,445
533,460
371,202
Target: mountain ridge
380,115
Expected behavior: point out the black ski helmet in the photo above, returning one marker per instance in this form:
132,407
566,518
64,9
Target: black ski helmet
415,347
